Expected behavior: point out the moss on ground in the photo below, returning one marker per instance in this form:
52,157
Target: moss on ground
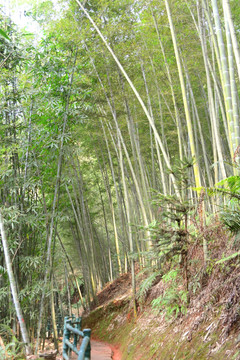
139,339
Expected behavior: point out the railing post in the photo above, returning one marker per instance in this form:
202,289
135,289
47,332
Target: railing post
76,337
79,323
66,336
87,332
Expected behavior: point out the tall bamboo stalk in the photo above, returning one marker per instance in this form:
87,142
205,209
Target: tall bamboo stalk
14,288
184,96
234,92
224,70
177,116
236,48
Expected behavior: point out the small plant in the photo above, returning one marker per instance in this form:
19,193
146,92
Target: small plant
229,188
170,233
230,213
10,346
174,300
146,285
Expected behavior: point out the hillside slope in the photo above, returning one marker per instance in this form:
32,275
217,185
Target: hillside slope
207,328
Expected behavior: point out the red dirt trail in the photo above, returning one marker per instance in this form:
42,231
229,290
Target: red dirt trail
116,353
102,351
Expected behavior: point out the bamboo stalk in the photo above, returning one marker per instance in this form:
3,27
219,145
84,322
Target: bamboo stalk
14,289
185,102
236,49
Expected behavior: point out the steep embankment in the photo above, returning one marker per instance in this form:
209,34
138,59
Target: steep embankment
208,330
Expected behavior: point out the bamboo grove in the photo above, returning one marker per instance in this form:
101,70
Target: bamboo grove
121,108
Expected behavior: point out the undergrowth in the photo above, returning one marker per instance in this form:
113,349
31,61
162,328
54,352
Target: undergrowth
146,285
11,347
174,301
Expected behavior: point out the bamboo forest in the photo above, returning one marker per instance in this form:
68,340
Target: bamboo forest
120,179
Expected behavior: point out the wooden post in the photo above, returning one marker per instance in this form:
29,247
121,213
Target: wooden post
66,336
87,332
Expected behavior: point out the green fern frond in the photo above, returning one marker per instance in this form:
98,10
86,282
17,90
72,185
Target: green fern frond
146,285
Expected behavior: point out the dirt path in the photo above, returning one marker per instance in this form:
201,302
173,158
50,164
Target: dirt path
116,353
102,351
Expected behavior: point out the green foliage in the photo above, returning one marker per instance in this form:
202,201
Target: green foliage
170,232
230,216
14,349
230,213
4,293
174,300
229,187
29,264
232,183
146,286
4,35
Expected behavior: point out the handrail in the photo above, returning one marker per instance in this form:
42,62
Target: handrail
84,353
74,330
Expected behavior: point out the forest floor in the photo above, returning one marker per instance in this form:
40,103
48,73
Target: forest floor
210,328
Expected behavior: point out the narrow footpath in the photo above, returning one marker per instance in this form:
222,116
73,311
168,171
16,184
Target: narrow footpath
99,351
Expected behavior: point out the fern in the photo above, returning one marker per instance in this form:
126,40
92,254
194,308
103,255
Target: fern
146,285
173,301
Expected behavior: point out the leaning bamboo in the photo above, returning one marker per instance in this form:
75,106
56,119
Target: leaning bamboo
14,288
165,156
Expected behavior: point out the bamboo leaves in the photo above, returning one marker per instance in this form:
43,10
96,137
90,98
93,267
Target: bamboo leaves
4,35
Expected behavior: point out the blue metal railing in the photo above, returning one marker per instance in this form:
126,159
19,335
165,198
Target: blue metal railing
72,326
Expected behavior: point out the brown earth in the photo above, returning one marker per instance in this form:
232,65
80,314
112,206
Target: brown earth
115,290
209,330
